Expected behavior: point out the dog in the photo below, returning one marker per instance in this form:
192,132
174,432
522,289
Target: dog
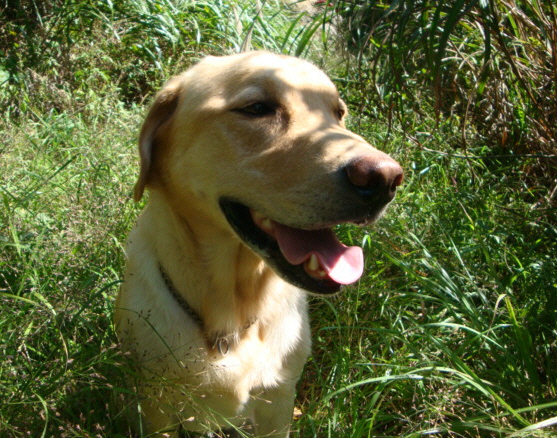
249,167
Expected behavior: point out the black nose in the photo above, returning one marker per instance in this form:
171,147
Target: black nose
374,178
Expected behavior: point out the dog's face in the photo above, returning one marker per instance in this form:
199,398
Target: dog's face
256,143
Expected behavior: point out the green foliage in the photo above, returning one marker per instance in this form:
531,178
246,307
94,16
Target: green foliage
63,206
452,332
69,49
489,65
443,336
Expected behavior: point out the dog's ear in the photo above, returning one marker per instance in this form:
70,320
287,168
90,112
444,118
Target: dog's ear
161,111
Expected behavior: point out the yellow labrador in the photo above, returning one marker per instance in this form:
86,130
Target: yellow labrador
249,165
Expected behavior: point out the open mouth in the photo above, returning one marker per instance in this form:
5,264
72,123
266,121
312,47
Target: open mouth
314,260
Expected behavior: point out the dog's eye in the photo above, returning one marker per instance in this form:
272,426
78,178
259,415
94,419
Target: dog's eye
258,109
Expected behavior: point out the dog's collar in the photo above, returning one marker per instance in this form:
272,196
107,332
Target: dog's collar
219,341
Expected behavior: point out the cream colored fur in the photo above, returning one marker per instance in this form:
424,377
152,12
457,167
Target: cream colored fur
194,149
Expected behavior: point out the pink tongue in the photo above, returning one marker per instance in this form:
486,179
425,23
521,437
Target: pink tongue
342,264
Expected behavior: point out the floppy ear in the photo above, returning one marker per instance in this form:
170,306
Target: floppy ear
162,110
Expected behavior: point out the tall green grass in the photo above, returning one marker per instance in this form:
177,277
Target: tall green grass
488,65
64,212
452,331
69,49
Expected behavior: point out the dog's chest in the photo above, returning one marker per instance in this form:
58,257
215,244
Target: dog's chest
252,364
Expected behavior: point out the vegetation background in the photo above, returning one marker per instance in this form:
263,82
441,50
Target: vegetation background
453,330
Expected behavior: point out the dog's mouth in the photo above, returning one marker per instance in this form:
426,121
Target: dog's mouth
314,260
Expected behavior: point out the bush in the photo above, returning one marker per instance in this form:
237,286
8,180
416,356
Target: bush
490,66
73,49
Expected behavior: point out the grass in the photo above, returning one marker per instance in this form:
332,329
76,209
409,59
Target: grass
65,212
431,342
452,331
491,65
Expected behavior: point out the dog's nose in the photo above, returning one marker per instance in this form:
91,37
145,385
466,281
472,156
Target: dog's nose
374,178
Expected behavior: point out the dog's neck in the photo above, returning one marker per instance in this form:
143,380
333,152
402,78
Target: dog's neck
221,279
221,342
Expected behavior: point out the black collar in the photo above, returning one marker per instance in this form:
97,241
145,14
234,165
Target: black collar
221,342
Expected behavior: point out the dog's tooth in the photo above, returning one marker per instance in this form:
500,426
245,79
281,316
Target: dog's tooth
314,268
266,223
257,217
262,221
313,263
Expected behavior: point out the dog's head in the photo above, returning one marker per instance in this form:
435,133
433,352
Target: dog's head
256,143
